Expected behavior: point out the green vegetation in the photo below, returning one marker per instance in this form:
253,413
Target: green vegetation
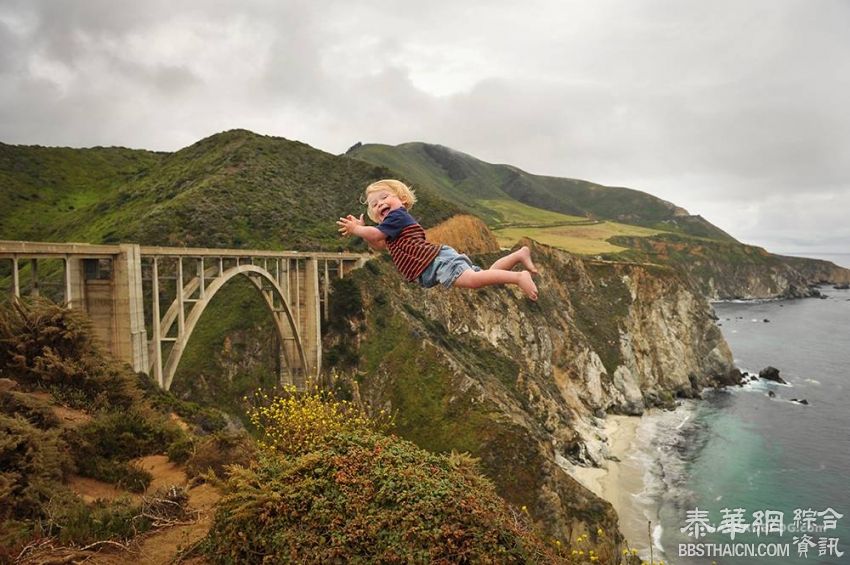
233,189
419,383
476,185
514,213
52,348
582,239
50,361
336,490
232,351
41,187
104,446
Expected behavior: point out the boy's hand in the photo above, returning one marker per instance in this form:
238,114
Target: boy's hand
348,224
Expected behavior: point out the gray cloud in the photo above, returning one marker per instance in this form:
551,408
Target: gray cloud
733,110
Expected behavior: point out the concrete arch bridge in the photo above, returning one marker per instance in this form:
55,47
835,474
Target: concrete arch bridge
116,286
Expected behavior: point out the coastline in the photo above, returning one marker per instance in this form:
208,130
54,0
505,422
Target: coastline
621,481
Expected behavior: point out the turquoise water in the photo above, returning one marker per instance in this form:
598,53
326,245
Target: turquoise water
741,448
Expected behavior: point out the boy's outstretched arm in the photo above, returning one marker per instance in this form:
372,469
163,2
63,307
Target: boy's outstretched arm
356,226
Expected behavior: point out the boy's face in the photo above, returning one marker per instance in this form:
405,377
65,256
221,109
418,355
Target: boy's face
381,203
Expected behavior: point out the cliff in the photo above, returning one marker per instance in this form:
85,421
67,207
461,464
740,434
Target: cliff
523,385
730,270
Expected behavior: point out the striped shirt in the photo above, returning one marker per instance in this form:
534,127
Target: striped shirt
406,242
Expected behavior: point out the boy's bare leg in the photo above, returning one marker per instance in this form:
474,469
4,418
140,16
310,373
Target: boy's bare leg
522,255
477,279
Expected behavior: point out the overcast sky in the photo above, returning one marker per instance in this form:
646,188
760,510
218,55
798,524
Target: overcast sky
736,110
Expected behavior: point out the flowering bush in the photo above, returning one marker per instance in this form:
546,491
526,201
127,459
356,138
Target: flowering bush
298,422
362,497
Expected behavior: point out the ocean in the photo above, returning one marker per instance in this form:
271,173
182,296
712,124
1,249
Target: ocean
721,463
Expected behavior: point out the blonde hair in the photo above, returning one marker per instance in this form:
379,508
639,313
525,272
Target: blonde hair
396,187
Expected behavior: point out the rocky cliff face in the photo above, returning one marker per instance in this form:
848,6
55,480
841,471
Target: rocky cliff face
523,385
723,270
779,277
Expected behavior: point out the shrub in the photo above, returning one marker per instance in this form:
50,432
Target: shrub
33,464
127,434
364,497
329,487
217,452
205,418
181,450
35,410
103,446
50,347
120,473
72,521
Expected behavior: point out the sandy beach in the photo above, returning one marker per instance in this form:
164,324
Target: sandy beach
621,480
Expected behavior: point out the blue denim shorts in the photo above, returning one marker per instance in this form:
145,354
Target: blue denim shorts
446,267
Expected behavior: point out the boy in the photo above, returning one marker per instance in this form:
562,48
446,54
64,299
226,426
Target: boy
387,202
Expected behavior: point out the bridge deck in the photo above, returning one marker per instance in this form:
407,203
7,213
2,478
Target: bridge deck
47,250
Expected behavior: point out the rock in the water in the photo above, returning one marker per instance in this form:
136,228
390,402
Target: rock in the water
842,286
800,401
766,321
771,374
771,394
733,377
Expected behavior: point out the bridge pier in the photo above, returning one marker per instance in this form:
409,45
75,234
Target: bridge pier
311,324
102,280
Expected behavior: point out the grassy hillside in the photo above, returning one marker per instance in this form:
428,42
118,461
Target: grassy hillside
476,185
233,189
41,187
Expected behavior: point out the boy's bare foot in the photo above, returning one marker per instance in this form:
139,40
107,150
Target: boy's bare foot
527,285
525,259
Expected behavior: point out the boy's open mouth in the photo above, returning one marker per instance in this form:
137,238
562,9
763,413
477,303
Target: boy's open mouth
383,211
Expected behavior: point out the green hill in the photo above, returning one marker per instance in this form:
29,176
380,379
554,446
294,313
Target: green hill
41,187
475,184
233,189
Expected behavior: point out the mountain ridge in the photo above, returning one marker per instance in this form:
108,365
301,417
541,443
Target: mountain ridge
468,178
232,189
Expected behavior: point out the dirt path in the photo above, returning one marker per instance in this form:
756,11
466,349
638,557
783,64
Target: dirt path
156,547
159,546
165,545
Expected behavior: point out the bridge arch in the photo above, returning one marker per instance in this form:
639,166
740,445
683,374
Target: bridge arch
274,299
